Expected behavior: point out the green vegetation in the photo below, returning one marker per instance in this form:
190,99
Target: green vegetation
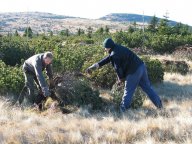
176,66
138,97
11,79
75,52
104,77
77,91
155,69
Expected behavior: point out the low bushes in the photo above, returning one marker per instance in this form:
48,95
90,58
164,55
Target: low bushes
155,69
11,79
77,91
105,77
176,66
138,97
13,50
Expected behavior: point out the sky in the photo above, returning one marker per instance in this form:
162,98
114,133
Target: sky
178,10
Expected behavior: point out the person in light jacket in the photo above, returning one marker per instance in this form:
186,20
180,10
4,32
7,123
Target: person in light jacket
33,68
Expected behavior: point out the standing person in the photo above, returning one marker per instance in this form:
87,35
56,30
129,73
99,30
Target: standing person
33,68
129,68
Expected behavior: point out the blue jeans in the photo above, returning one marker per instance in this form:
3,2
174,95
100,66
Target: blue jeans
140,77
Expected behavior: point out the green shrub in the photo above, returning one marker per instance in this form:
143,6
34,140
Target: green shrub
72,57
138,97
103,77
82,40
11,79
176,66
77,91
155,69
13,50
130,40
164,43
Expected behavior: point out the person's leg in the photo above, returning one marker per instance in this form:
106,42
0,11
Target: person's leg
147,88
131,83
40,98
29,83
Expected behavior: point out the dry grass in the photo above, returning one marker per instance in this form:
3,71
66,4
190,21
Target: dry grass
171,58
146,125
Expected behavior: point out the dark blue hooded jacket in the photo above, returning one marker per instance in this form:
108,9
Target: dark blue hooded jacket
122,59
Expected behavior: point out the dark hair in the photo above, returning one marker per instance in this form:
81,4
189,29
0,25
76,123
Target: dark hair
48,55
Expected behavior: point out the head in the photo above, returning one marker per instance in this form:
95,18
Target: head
47,58
108,44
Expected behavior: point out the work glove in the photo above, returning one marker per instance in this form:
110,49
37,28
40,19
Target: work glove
46,92
91,68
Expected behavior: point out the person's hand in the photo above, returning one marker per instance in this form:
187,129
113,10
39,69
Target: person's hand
91,68
88,70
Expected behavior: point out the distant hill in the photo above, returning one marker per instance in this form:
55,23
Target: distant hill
45,22
123,17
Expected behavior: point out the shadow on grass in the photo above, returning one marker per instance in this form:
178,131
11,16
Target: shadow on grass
174,91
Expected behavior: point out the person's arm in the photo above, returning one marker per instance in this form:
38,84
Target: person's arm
118,68
38,72
99,64
104,61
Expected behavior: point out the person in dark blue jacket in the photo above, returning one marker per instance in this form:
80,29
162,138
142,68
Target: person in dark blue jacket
129,68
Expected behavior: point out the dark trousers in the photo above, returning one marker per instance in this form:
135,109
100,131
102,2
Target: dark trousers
29,83
140,77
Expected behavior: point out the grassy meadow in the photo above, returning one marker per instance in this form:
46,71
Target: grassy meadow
146,125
